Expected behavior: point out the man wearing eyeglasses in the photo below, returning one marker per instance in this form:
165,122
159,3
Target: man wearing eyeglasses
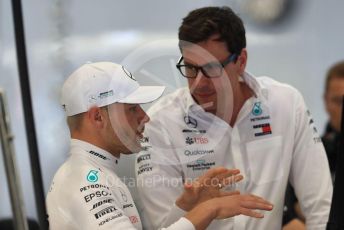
228,117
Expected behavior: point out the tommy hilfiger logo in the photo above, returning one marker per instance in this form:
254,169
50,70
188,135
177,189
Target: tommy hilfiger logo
262,129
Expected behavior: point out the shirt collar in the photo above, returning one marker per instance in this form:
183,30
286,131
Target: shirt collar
257,88
100,155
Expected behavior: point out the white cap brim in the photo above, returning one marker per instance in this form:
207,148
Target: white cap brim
144,94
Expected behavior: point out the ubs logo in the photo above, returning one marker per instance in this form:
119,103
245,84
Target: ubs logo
196,140
128,73
190,121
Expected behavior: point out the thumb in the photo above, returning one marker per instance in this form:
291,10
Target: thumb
192,188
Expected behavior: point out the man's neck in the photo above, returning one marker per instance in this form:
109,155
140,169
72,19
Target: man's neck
241,96
96,142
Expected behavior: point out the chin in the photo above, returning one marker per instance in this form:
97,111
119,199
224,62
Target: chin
205,100
208,105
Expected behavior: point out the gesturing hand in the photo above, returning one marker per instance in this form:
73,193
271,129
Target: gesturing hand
225,207
240,204
208,186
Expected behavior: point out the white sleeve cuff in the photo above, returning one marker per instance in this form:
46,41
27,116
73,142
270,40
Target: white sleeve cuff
174,214
182,223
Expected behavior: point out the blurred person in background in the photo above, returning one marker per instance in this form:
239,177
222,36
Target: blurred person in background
293,218
333,98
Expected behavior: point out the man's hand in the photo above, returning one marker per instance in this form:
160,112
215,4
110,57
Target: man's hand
227,206
208,186
239,204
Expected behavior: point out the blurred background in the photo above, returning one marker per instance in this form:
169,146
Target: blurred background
292,41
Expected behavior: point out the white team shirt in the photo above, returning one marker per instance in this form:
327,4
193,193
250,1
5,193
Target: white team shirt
272,141
87,194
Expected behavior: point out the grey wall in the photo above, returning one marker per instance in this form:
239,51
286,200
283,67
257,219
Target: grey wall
63,34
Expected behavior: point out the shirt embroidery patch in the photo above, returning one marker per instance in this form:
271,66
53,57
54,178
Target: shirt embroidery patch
262,129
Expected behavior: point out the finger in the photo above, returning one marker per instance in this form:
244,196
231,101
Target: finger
251,197
257,198
213,172
192,188
231,193
232,180
188,188
214,177
220,173
228,174
262,205
251,213
224,178
238,178
209,178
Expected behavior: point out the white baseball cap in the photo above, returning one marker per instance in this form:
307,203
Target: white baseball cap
103,83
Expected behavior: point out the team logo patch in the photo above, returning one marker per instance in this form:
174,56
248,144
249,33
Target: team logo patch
128,73
190,121
92,176
256,110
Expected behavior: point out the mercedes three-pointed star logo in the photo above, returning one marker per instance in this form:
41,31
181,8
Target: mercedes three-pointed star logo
128,73
190,121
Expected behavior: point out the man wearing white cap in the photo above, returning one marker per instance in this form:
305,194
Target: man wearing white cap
101,102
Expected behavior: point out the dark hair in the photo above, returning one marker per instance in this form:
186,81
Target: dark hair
202,23
336,71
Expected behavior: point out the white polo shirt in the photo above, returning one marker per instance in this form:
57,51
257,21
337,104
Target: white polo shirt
273,139
87,194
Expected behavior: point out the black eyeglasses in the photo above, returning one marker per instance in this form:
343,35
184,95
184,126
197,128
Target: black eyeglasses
210,70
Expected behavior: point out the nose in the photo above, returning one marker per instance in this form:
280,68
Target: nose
200,81
142,116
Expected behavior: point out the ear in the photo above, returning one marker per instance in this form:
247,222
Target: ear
96,117
242,61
